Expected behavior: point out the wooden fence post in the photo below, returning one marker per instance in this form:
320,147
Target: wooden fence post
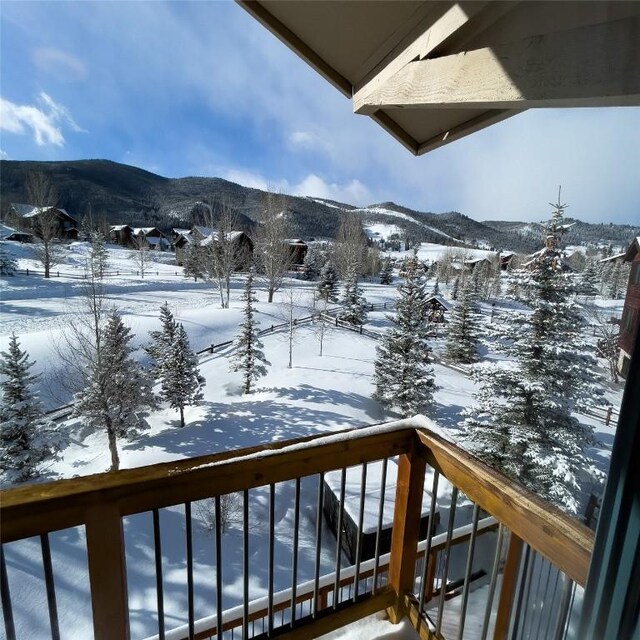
508,588
212,347
608,418
107,573
406,528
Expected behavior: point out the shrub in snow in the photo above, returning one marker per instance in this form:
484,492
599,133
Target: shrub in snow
403,373
386,274
181,380
27,438
118,391
231,514
354,304
522,421
463,327
248,357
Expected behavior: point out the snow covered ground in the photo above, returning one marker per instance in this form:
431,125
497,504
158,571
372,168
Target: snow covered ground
319,394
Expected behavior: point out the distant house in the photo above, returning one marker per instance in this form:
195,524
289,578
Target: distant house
631,312
149,238
505,260
31,219
298,250
121,234
438,307
243,245
472,263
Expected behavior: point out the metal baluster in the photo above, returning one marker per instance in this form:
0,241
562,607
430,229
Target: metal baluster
522,587
469,567
563,613
245,564
532,606
51,589
218,514
544,599
187,516
492,584
336,584
294,560
5,596
383,486
272,500
447,555
431,527
157,545
547,629
363,488
316,578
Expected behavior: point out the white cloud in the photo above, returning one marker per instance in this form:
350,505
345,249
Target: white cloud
352,192
254,180
44,121
60,64
3,155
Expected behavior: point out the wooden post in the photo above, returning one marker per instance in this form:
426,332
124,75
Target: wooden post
508,588
608,418
406,529
431,574
212,347
107,573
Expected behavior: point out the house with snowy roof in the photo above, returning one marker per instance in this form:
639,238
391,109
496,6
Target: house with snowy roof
204,237
149,238
32,218
630,320
121,234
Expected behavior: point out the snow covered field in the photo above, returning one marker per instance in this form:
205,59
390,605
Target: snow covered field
319,394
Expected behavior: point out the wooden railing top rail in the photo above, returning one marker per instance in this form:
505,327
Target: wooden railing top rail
39,508
564,541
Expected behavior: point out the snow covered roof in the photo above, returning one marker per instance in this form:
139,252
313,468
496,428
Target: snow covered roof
152,240
296,241
213,236
204,231
119,227
181,232
143,230
29,210
476,260
633,250
618,257
440,300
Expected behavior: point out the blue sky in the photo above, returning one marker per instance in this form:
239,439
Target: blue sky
200,88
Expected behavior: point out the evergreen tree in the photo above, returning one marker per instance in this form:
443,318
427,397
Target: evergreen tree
463,328
386,274
193,262
328,284
311,265
522,421
436,288
8,264
118,390
162,341
248,357
456,288
181,380
403,373
354,304
616,284
98,260
27,438
589,279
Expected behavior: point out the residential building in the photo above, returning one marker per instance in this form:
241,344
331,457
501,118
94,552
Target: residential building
631,312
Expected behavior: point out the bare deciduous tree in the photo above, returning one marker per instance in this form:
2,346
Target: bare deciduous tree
271,250
350,250
142,256
42,194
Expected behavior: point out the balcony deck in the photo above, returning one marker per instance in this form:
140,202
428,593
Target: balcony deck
504,564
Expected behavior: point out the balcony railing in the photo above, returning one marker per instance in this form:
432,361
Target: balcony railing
470,553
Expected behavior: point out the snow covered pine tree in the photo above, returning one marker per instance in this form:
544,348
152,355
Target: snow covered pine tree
328,285
248,357
118,390
463,328
403,373
27,438
354,304
161,341
522,421
181,380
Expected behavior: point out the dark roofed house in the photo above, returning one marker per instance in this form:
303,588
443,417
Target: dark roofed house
149,238
31,218
298,250
631,312
121,234
438,307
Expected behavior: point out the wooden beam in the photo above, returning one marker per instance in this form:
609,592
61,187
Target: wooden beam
39,508
298,46
565,542
593,66
107,573
406,528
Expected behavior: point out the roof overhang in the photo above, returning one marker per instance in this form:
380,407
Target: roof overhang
431,72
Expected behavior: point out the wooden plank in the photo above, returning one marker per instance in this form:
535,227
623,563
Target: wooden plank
39,508
592,66
565,542
107,573
508,588
406,527
298,46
